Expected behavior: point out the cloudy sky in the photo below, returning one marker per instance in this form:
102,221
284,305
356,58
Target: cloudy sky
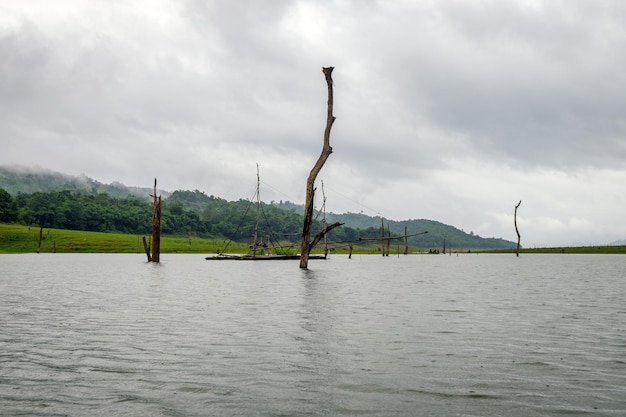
446,110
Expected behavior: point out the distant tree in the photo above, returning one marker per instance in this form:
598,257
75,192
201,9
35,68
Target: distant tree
8,207
43,208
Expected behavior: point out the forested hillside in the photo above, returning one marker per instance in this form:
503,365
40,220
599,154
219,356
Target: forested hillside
61,201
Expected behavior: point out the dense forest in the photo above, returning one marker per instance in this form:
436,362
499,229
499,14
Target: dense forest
215,218
59,201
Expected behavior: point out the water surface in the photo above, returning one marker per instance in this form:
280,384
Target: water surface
432,335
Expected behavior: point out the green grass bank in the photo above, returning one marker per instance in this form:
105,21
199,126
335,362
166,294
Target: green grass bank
23,239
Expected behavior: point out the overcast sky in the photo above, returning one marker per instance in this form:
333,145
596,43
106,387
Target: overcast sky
446,110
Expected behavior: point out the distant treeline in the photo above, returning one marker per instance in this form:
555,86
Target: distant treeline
82,203
185,213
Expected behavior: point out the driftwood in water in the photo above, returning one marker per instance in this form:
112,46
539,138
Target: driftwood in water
310,183
516,230
153,248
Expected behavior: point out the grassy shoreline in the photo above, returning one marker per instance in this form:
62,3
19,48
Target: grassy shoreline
599,250
23,239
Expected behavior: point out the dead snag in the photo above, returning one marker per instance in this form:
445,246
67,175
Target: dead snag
310,183
516,230
153,249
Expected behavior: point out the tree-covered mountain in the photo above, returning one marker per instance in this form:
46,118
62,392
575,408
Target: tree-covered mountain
81,203
438,235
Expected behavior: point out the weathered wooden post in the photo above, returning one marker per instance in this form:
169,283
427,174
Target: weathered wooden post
406,242
388,239
382,236
516,230
310,183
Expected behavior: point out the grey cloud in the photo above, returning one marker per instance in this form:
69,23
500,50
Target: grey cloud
421,88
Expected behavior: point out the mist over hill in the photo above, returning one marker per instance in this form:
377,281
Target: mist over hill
18,179
422,232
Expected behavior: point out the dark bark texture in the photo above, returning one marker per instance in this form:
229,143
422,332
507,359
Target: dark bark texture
310,183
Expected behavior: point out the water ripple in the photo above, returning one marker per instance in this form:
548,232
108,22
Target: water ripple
110,335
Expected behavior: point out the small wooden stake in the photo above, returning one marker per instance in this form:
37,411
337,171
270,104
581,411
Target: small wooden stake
382,236
406,242
388,240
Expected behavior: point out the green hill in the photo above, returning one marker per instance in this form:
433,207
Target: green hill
81,203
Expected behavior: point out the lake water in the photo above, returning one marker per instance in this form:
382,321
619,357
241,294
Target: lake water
431,335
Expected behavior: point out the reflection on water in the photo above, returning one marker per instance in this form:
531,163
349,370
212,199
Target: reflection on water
538,335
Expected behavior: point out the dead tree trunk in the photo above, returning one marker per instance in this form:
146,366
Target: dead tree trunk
156,227
516,230
310,183
153,249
